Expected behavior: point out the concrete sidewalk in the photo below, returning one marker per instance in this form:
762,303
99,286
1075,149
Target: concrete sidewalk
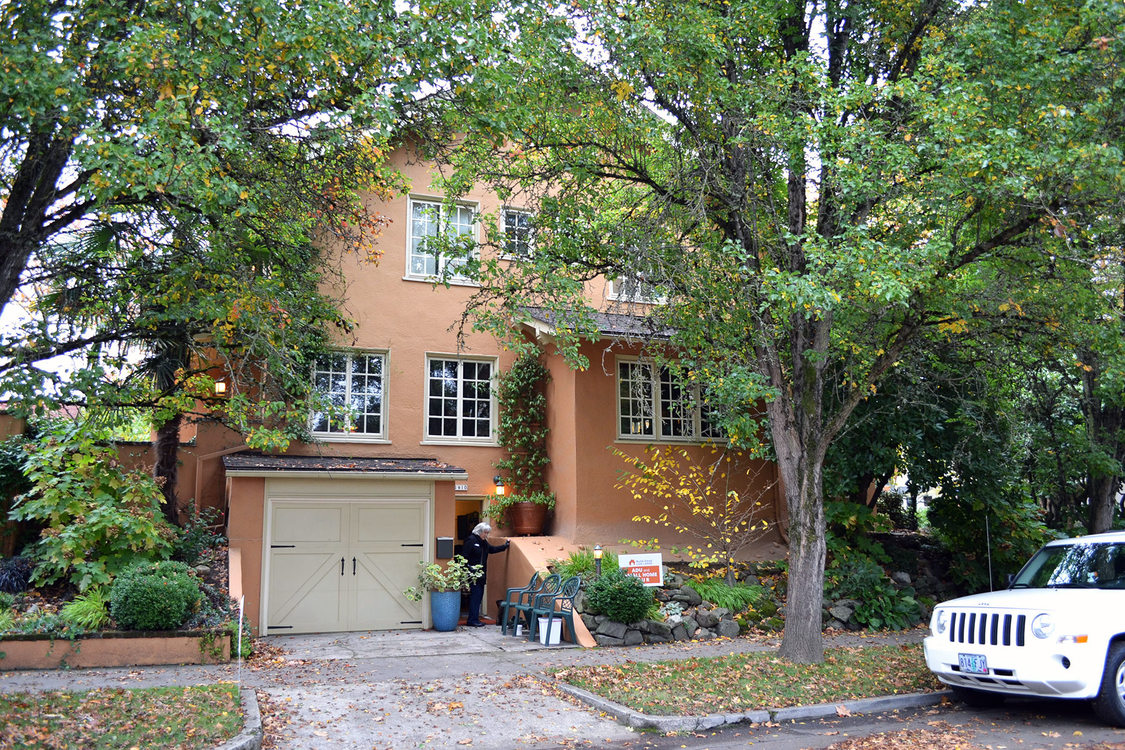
473,687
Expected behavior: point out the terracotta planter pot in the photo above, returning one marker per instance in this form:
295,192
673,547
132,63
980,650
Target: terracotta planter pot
527,518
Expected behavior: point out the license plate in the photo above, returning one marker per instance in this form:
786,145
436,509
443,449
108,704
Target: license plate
972,663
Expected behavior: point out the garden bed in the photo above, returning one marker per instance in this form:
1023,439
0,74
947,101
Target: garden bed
115,649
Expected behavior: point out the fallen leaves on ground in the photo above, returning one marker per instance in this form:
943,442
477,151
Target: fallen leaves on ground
172,717
743,682
940,736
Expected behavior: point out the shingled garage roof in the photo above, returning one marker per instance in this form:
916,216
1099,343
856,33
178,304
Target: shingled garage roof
610,325
249,463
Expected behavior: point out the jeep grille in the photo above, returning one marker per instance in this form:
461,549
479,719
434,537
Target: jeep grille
987,628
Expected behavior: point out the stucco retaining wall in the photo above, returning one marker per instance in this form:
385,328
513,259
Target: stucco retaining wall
114,650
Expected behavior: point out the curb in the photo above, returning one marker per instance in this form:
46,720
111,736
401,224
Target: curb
637,720
250,738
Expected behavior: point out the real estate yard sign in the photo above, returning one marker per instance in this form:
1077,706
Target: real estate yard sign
646,567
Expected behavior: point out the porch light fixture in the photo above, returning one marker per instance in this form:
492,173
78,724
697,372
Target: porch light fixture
220,388
499,482
598,552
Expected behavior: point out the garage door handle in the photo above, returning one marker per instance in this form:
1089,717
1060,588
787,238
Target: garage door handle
283,546
411,545
353,566
341,566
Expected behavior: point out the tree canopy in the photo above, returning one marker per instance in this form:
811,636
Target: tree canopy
174,180
809,187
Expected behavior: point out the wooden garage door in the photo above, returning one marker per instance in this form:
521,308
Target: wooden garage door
337,566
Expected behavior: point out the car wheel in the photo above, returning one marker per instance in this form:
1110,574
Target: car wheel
1110,703
977,698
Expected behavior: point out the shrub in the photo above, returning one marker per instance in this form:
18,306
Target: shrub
89,610
582,563
15,574
881,604
154,596
736,598
620,597
197,535
99,517
701,498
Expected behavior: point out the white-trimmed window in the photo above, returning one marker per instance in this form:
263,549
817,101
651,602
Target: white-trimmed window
354,382
653,404
633,288
430,219
518,233
459,403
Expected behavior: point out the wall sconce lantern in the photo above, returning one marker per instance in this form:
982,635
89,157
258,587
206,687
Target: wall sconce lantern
220,388
499,482
598,552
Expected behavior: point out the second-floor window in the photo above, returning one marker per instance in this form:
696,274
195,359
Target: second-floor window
653,403
428,221
634,288
459,399
518,233
353,382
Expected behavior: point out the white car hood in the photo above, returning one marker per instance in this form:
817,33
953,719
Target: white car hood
1076,599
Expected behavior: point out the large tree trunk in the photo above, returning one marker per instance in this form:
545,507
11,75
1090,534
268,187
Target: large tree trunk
801,467
1103,501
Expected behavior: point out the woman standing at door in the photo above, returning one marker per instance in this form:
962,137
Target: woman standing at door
476,551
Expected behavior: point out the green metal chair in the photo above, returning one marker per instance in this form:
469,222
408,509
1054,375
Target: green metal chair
548,587
550,606
517,596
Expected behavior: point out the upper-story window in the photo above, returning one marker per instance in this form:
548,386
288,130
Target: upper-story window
518,233
354,382
430,219
634,288
459,402
652,403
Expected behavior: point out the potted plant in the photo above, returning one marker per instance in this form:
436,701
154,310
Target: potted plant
526,513
445,585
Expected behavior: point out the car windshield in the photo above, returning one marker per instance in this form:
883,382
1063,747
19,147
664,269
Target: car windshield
1077,565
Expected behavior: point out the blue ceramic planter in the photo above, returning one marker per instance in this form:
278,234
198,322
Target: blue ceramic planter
445,609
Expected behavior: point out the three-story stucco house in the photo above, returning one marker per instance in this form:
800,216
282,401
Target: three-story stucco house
326,536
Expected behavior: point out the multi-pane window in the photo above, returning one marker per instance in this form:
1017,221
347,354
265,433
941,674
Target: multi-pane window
352,382
652,402
428,221
634,288
459,399
517,233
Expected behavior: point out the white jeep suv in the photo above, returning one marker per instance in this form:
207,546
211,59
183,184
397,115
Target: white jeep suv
1057,631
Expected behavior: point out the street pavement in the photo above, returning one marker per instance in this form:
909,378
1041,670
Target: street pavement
470,688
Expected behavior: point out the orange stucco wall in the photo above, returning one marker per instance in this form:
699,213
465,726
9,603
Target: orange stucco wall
245,528
584,468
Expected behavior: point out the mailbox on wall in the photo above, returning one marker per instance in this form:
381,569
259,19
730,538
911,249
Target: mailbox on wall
444,548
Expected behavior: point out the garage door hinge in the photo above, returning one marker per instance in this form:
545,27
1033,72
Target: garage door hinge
281,627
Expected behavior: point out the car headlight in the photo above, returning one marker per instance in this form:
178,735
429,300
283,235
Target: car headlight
1042,626
941,619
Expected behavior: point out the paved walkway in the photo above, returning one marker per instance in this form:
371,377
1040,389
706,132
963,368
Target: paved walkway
469,688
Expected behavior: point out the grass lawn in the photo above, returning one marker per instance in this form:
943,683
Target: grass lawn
154,718
744,682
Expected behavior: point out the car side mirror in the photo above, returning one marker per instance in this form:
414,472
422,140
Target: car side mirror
1011,579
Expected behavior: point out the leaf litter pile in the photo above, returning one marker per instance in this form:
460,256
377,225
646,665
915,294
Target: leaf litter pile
745,682
172,718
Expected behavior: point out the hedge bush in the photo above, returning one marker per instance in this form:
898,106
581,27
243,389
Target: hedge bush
620,597
154,596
